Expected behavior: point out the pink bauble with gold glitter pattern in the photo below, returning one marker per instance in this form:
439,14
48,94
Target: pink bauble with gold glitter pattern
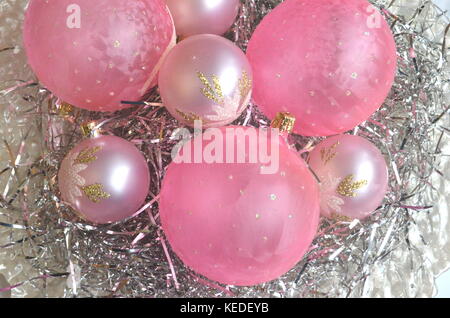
330,63
353,176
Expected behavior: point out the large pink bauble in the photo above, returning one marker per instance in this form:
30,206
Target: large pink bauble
105,179
96,54
193,17
353,175
206,77
330,63
233,224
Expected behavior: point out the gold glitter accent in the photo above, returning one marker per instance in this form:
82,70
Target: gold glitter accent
116,43
327,154
354,75
258,216
90,129
273,197
189,117
65,109
95,192
213,93
340,218
245,84
284,122
348,187
87,155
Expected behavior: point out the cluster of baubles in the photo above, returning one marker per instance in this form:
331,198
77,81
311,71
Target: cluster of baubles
328,63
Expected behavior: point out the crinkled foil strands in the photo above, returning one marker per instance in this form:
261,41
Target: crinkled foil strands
60,255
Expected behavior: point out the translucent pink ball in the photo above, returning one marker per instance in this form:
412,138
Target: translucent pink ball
331,63
203,16
95,54
353,175
206,77
235,225
105,179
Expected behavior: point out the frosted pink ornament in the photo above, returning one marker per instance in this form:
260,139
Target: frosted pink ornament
105,179
233,224
203,16
95,54
353,174
205,77
331,63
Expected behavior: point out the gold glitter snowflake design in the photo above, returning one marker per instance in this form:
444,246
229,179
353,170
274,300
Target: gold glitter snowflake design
327,154
87,155
95,192
348,186
225,107
76,184
330,203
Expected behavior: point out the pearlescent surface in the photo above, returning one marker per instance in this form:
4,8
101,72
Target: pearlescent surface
203,16
353,175
331,63
234,225
206,77
95,54
105,179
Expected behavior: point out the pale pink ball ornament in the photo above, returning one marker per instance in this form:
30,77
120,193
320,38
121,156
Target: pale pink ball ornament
105,179
193,17
96,54
353,175
234,224
331,63
205,77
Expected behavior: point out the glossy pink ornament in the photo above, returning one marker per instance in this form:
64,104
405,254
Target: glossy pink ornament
95,54
105,179
233,224
193,17
330,63
353,174
206,77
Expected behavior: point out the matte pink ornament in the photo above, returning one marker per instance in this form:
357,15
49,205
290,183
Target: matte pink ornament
96,54
193,17
353,174
330,63
105,179
206,77
233,224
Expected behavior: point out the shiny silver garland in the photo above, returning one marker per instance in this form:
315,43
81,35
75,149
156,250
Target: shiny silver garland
132,258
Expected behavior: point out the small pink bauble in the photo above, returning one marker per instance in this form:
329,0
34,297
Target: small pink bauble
96,54
206,77
353,175
193,17
232,223
105,179
330,63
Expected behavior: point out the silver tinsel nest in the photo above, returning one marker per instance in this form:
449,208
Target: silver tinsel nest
46,251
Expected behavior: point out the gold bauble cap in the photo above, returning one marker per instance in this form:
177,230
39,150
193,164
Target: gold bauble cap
90,129
284,121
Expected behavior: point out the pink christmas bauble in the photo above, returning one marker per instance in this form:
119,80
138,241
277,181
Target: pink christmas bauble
205,77
230,221
105,179
330,63
203,16
96,54
353,175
